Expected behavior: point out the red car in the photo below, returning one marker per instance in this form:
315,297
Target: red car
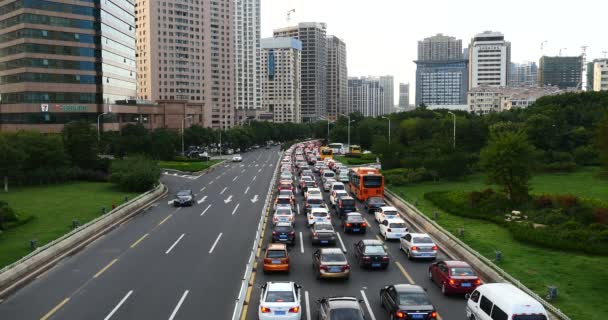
455,277
285,186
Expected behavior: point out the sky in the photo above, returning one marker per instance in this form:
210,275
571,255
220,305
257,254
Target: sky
382,36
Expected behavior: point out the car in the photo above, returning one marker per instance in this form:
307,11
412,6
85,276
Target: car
318,215
286,192
306,172
229,151
353,223
343,177
323,233
503,301
304,179
317,166
312,192
386,213
393,228
184,198
418,245
286,176
255,146
330,263
454,277
337,186
371,254
284,232
373,203
283,214
283,199
407,301
336,195
308,184
313,202
276,258
327,174
285,186
345,205
327,183
340,308
280,301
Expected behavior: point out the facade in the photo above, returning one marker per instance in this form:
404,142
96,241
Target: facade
487,99
247,93
365,95
388,85
61,61
404,95
600,75
337,77
314,62
524,74
281,72
489,60
185,51
441,72
564,72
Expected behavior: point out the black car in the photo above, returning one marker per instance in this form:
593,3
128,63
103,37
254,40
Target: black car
284,232
184,198
407,301
371,254
345,205
353,223
339,308
323,233
374,203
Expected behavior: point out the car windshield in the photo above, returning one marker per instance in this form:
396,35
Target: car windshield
283,213
399,225
338,187
276,254
374,249
315,201
530,317
333,257
422,240
323,226
345,314
320,214
284,200
355,218
462,271
390,213
375,200
183,193
306,178
282,229
285,193
328,174
413,298
348,202
280,296
372,181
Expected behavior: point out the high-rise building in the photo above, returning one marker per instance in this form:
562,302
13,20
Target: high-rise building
404,95
524,74
185,51
489,60
441,72
388,85
564,72
365,95
600,75
281,68
247,94
63,61
337,77
314,63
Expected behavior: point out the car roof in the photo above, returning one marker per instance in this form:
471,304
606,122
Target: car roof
388,208
353,214
454,263
408,288
340,191
279,286
276,246
344,302
331,250
283,224
347,197
372,242
420,235
337,183
395,220
510,298
316,189
319,209
284,196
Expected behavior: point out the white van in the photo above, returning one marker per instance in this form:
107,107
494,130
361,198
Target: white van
503,301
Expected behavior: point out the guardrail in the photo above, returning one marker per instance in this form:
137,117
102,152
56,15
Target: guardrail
497,274
240,299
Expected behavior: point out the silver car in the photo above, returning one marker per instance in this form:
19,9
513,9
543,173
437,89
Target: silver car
418,245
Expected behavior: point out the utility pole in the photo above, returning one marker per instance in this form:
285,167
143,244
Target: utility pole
389,128
289,15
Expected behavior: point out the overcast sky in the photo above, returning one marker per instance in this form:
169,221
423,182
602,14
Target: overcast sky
381,35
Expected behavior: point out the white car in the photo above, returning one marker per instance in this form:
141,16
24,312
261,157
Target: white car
327,183
418,245
393,228
237,158
318,215
337,186
343,177
334,195
313,192
280,300
386,213
284,215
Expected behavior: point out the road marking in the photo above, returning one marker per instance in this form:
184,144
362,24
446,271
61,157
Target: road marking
301,243
170,202
341,243
217,177
260,170
402,269
228,200
270,165
215,243
378,237
203,188
118,305
369,308
246,190
223,190
175,243
255,199
235,208
307,304
254,178
243,171
298,207
105,268
138,241
209,206
165,219
211,182
57,307
202,200
235,178
179,304
367,223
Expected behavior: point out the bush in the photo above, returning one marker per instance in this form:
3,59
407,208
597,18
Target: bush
601,215
567,201
586,155
7,214
136,174
543,202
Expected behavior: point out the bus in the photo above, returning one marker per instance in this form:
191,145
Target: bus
337,148
365,182
326,153
354,151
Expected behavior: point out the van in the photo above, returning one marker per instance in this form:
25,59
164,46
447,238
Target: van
503,301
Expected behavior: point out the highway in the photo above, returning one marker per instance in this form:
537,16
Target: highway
166,262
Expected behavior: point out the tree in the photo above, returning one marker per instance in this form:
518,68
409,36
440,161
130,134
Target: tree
507,161
136,173
11,159
163,144
80,143
602,141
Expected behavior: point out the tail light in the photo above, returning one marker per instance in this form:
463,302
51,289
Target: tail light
367,258
314,234
400,314
477,282
274,233
349,225
294,310
433,314
292,233
275,218
346,267
435,248
266,260
264,309
414,248
452,281
364,225
385,258
324,267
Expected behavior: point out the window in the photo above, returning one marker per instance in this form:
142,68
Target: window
498,314
485,305
280,296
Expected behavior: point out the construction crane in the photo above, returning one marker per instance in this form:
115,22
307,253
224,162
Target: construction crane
289,15
542,47
560,51
605,52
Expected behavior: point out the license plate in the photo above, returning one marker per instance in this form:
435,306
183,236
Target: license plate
283,236
276,261
465,284
417,315
399,235
376,265
319,219
279,313
324,241
356,230
335,269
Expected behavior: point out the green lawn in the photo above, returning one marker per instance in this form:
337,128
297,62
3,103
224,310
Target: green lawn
354,161
54,208
187,166
581,279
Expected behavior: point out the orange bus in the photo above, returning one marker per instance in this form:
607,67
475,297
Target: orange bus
326,153
366,182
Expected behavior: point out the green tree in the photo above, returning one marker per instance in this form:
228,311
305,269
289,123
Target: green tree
11,159
602,142
7,214
163,144
507,161
136,173
80,142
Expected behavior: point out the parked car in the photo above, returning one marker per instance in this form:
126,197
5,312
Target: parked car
503,301
237,158
323,233
394,228
454,277
280,300
330,263
371,254
418,245
339,308
407,301
276,258
284,232
353,223
386,213
373,203
184,198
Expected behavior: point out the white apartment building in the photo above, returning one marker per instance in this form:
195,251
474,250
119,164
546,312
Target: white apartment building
489,60
247,93
600,75
485,99
281,59
365,95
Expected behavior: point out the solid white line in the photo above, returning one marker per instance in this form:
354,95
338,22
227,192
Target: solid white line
260,170
254,178
235,208
215,243
369,309
223,190
175,243
209,206
341,243
236,305
235,178
301,243
203,188
307,305
246,190
118,305
179,304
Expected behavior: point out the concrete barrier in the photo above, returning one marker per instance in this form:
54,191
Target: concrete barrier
20,272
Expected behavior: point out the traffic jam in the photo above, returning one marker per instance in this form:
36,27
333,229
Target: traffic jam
333,234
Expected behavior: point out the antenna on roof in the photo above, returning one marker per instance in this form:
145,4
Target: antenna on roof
289,15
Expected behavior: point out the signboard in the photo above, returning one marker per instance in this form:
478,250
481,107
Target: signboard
44,107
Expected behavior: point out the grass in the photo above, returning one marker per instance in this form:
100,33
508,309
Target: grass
54,207
187,166
581,279
356,161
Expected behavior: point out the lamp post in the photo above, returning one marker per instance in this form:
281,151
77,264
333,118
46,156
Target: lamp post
183,121
98,130
389,129
454,143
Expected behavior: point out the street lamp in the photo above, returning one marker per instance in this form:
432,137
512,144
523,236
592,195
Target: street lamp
98,130
389,129
452,113
183,121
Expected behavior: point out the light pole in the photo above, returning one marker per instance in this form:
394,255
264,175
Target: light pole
452,113
389,129
183,121
98,130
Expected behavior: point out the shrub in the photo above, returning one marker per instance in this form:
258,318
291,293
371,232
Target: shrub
543,202
475,197
586,155
555,217
567,201
7,214
601,215
136,173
